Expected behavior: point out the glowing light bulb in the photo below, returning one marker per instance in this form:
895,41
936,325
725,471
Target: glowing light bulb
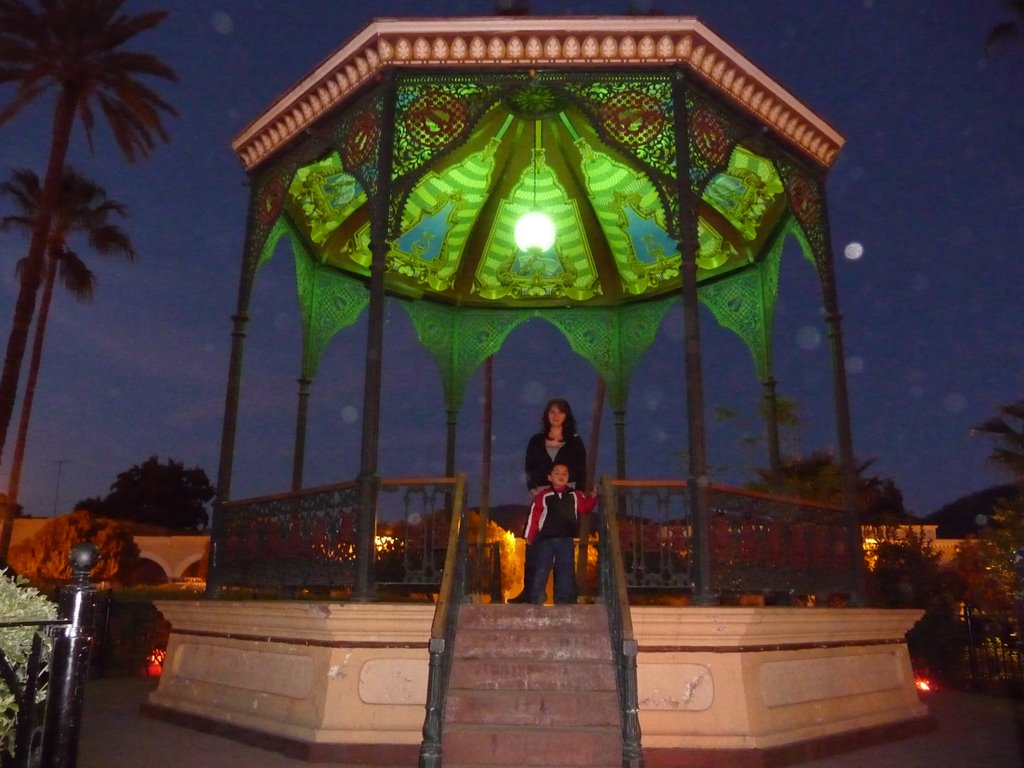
535,231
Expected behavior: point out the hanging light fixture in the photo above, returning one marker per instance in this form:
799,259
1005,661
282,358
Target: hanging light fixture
535,230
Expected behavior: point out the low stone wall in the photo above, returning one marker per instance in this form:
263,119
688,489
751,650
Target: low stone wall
347,681
339,681
754,682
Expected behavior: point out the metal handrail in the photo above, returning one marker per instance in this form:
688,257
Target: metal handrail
442,630
612,581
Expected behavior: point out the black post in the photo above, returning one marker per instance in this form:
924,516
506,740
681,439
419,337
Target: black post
69,667
1018,566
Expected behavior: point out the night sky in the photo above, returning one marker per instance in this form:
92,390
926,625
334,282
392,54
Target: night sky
928,184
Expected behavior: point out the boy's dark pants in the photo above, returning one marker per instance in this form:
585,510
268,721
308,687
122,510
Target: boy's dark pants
543,555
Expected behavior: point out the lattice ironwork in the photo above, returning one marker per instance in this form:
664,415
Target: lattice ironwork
785,550
780,547
307,539
712,138
745,305
807,204
413,526
655,535
356,136
460,340
330,301
611,339
434,114
633,112
293,541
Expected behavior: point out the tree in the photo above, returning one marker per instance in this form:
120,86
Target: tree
987,565
818,476
1008,29
74,48
43,559
1008,429
167,495
82,208
512,8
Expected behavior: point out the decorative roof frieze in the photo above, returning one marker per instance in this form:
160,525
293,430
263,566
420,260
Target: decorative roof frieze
537,42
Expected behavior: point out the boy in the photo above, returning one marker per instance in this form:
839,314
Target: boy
551,527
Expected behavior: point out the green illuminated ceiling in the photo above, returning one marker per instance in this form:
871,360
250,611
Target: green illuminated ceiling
604,173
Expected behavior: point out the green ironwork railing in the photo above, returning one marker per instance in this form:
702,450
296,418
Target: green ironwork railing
442,631
783,550
307,540
614,591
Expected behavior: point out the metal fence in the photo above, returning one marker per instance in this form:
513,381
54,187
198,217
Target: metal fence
46,733
308,539
779,549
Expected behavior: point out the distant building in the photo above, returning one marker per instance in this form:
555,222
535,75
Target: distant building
162,558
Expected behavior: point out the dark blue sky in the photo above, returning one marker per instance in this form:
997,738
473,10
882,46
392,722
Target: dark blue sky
928,183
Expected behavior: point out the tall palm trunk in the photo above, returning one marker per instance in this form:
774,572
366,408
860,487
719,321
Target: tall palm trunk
34,363
18,459
24,308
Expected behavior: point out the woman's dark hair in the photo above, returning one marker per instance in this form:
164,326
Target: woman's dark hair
569,428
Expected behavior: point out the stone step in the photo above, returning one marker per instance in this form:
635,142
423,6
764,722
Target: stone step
530,675
463,746
556,709
532,686
531,644
497,616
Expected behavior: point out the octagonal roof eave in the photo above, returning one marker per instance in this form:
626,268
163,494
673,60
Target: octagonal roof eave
537,41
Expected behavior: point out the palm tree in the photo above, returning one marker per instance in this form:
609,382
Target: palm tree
1008,429
74,48
1006,30
82,208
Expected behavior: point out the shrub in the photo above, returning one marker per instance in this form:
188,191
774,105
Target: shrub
19,603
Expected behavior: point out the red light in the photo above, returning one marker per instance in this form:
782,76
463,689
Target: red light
155,662
922,684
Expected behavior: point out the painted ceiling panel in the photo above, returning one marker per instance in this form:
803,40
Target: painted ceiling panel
466,184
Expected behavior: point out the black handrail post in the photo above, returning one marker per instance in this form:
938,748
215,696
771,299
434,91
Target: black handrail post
69,667
1018,566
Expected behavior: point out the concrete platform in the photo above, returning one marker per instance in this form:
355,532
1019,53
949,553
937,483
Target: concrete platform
971,730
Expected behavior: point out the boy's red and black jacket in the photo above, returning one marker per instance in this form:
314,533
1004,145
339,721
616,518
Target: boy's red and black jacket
555,514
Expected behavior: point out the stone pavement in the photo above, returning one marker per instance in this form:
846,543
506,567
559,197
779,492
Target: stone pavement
971,730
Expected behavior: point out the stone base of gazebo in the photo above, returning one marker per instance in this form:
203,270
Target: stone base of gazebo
346,682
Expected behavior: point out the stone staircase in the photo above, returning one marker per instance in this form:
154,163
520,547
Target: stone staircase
532,686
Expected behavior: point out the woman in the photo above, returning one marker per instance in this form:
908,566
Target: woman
557,442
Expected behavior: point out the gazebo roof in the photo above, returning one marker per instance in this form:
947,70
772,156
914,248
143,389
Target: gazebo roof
532,41
641,138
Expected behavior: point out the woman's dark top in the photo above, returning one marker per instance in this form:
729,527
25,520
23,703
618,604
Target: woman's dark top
539,462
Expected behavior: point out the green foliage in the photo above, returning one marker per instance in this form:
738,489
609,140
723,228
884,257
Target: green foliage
905,570
818,476
985,565
155,493
1008,430
19,602
43,559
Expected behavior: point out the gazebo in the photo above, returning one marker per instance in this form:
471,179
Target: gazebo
591,172
663,165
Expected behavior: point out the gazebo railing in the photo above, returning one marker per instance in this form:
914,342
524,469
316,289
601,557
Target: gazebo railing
783,549
613,589
452,593
307,539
